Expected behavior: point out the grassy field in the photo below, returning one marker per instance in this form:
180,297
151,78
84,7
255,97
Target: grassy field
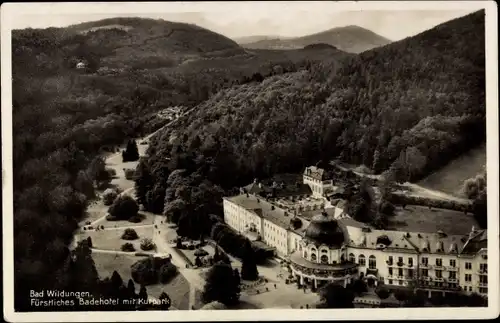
177,288
106,263
111,239
450,178
423,219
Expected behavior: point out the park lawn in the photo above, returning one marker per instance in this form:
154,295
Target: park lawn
451,177
177,289
106,263
111,239
422,219
148,219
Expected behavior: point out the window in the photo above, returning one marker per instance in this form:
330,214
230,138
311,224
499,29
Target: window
390,271
390,281
483,279
468,265
324,259
483,290
468,277
410,273
372,262
439,262
352,258
361,260
425,273
400,272
400,260
425,261
313,257
452,275
305,254
390,260
439,274
483,267
470,288
401,283
410,261
452,263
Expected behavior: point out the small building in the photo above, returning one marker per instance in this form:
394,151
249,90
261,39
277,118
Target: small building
81,65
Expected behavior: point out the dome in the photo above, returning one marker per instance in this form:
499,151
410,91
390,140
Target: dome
325,230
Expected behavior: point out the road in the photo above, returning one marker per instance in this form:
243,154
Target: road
414,189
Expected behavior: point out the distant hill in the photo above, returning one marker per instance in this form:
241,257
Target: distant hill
253,39
352,39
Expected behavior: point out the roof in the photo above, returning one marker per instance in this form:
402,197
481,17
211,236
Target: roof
297,258
405,241
478,240
321,174
276,189
263,208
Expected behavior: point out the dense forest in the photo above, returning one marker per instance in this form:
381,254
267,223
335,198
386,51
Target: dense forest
406,109
63,117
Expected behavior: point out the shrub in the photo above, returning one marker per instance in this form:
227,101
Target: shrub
387,208
129,173
167,273
148,271
129,234
109,217
382,292
136,219
109,196
128,247
124,207
147,244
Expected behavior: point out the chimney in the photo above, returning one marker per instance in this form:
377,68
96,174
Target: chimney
260,185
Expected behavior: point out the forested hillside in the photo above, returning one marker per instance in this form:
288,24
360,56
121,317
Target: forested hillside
408,107
63,117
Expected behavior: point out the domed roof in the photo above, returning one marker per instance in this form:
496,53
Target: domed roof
324,229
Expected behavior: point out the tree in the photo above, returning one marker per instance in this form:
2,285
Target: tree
165,300
249,267
143,294
144,181
124,207
382,292
359,287
89,242
131,289
131,152
480,209
237,277
116,280
221,285
336,296
97,171
109,196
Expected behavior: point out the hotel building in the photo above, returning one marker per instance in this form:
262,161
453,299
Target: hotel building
324,244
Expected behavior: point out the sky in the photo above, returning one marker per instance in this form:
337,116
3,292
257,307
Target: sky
288,19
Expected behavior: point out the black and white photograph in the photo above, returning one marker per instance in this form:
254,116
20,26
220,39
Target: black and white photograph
206,161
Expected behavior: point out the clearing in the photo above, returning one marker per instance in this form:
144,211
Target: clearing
422,219
451,177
